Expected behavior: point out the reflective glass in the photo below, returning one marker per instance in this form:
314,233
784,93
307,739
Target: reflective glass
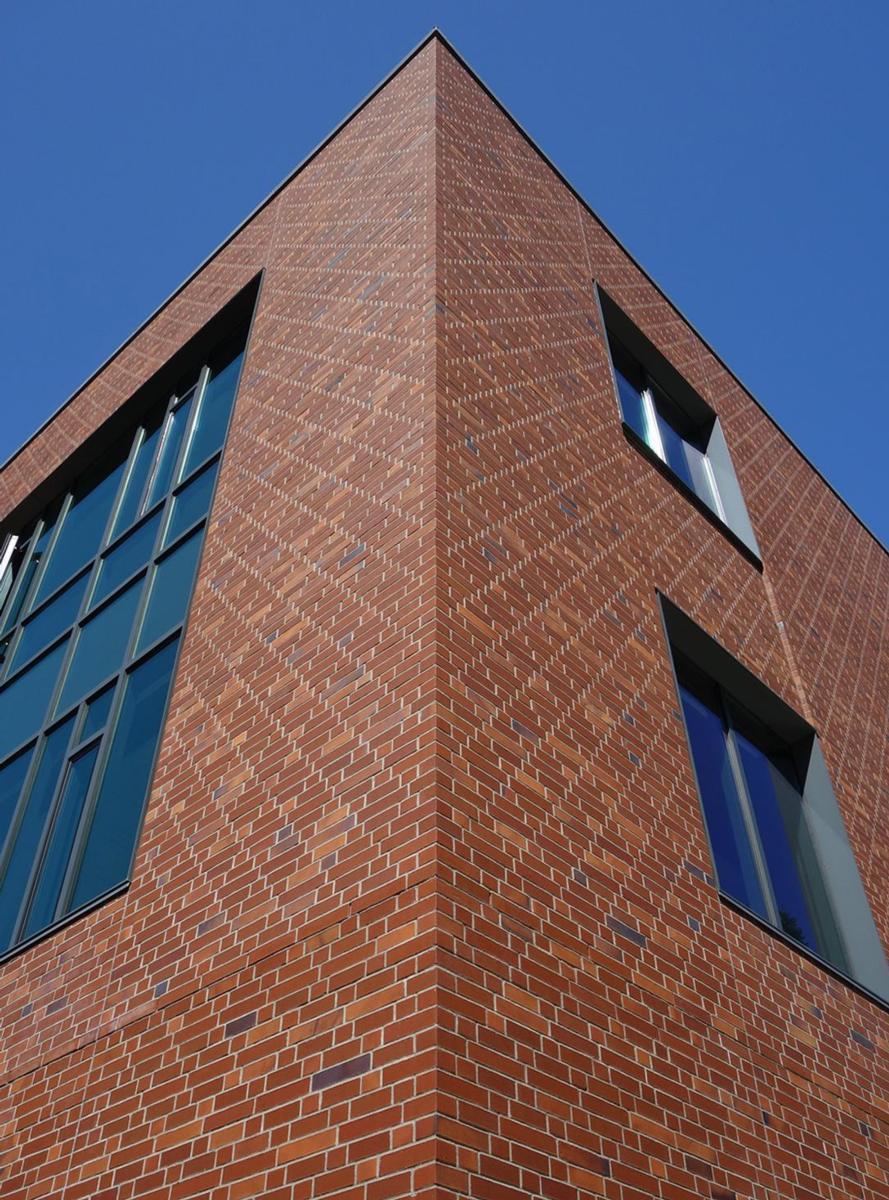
23,702
192,503
177,423
170,591
26,839
674,452
23,586
129,506
39,631
632,406
61,840
118,811
729,840
84,524
101,646
213,414
777,807
126,557
97,713
12,776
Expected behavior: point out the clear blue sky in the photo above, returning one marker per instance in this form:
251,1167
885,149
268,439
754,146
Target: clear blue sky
739,150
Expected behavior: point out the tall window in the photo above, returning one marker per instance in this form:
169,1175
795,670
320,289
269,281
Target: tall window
776,834
753,805
94,595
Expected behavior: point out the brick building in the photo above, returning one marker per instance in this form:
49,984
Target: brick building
501,812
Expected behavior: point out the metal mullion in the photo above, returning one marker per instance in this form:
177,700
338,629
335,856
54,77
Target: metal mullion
759,860
195,471
21,804
86,816
651,420
61,518
197,400
166,423
45,835
19,583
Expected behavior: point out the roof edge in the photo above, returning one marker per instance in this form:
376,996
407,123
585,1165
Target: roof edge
435,34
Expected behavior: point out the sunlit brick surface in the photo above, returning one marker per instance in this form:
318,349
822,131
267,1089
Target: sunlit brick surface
421,906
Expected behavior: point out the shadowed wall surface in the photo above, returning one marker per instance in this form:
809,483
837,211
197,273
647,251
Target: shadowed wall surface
421,907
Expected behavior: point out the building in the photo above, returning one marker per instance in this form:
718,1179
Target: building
489,847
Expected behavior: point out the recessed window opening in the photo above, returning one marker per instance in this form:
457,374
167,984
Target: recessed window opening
776,834
93,600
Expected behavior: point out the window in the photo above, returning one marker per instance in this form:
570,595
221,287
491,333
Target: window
668,418
93,598
775,831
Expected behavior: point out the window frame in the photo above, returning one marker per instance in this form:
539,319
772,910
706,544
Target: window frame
864,965
728,511
231,328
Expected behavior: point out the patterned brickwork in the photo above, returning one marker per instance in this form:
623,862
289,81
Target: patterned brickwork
422,904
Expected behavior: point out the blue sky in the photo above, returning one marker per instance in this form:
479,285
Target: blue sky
740,152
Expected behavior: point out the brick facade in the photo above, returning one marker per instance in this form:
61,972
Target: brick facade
420,907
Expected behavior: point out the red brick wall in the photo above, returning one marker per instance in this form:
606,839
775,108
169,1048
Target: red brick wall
608,1026
419,909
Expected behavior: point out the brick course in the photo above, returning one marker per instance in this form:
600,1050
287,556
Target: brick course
422,906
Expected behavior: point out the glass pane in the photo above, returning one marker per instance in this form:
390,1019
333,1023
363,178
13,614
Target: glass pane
101,646
212,421
21,854
17,602
39,631
61,840
97,713
23,702
722,808
777,807
118,811
135,484
85,522
126,557
12,776
633,407
169,452
674,451
170,591
192,503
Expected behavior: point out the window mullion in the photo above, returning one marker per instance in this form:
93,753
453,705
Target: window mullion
193,418
651,421
749,818
43,843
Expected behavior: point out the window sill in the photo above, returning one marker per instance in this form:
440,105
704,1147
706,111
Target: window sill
64,922
693,498
780,936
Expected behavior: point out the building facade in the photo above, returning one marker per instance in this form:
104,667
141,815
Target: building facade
442,725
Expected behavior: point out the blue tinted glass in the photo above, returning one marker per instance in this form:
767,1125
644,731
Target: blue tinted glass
192,503
722,809
83,526
97,713
170,590
12,776
17,603
169,451
61,839
118,811
126,557
674,450
632,406
135,484
213,414
23,702
779,834
39,631
101,646
26,839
